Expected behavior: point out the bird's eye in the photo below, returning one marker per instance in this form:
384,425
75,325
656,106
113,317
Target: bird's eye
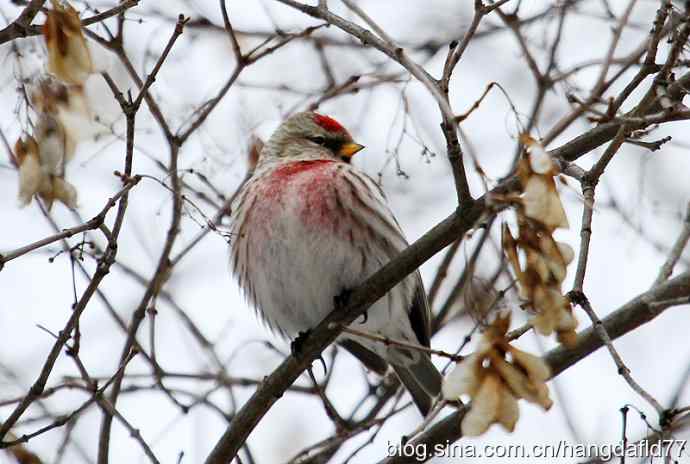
319,140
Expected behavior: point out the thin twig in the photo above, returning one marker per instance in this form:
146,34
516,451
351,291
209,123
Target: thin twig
676,251
581,300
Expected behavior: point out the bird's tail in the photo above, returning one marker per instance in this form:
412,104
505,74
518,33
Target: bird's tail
422,380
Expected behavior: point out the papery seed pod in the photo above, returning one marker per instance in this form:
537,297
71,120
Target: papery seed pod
69,58
32,178
495,377
56,147
64,192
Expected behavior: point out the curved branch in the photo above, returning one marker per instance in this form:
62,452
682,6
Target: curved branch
627,318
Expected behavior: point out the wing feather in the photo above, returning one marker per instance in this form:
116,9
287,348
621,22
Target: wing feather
372,208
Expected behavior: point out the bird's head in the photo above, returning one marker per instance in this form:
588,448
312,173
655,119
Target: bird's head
310,133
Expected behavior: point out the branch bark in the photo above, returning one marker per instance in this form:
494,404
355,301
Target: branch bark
625,319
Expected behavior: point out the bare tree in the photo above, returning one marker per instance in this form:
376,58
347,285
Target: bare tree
147,117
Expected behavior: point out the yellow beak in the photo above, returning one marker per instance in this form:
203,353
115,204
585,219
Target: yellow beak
347,150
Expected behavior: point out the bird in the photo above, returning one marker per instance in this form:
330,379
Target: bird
308,226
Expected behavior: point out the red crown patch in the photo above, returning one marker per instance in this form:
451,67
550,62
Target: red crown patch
330,124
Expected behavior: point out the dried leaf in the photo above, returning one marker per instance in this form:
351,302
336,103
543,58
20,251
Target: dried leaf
30,179
48,95
549,305
567,321
540,161
553,258
484,408
521,385
568,338
566,251
513,377
56,147
510,248
542,396
536,368
543,204
464,379
67,104
25,148
69,58
42,165
536,263
508,412
64,192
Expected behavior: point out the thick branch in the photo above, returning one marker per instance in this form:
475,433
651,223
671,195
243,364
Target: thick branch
326,332
627,318
20,26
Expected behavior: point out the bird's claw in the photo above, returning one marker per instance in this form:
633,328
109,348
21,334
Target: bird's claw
323,364
298,343
342,299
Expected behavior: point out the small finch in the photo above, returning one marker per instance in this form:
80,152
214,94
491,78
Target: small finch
309,226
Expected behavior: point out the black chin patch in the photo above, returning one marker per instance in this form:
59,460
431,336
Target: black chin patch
346,159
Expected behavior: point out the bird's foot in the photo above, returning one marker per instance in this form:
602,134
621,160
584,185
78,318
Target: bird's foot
341,301
298,343
323,364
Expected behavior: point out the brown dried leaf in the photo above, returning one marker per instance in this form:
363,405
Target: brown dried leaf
549,305
69,58
67,104
553,259
56,146
464,379
484,408
543,204
31,180
510,248
23,455
508,412
25,148
537,370
513,377
567,337
535,262
64,192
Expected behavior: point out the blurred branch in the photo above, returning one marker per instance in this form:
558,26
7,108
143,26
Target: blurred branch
231,32
661,103
399,55
20,26
581,300
243,61
92,224
161,274
363,296
151,78
677,249
375,287
104,264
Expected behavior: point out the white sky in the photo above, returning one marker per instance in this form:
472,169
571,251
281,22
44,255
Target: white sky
652,189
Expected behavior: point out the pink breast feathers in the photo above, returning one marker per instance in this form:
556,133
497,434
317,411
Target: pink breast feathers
307,187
